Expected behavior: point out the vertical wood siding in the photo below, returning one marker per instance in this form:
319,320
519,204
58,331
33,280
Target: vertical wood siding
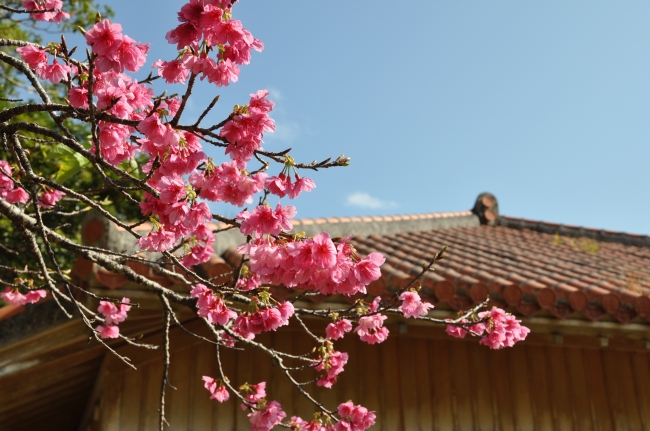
413,383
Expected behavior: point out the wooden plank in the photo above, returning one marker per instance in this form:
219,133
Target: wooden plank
91,409
301,407
281,389
369,372
408,380
347,386
111,401
500,375
641,370
48,374
130,408
392,419
422,382
201,404
52,339
614,391
441,385
579,389
601,411
178,340
150,401
462,386
560,394
520,387
480,374
626,382
177,403
46,386
224,416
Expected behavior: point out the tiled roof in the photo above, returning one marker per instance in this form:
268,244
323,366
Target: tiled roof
524,269
531,267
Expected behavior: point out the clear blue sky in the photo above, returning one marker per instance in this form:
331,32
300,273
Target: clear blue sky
544,104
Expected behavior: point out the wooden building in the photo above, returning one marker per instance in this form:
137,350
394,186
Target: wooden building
585,366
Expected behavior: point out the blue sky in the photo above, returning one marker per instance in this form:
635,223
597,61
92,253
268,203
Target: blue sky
544,104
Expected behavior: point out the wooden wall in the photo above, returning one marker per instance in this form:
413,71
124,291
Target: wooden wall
416,381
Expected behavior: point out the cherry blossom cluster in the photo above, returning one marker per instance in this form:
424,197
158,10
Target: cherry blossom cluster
13,297
174,154
212,307
315,264
206,26
353,418
37,59
268,318
282,186
412,305
371,327
266,415
115,52
337,329
216,388
263,415
178,211
245,129
331,363
55,16
113,315
14,194
497,328
8,189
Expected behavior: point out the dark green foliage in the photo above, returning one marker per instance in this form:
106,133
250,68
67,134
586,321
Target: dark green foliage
49,159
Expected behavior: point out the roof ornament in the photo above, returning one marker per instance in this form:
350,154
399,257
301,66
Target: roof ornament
487,209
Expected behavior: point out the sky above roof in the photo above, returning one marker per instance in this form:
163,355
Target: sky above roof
544,104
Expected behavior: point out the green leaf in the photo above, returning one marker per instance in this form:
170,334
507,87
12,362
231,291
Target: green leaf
68,161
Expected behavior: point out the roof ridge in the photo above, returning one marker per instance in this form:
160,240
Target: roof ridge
562,229
366,225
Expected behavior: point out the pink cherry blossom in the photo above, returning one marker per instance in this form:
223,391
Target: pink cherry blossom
50,198
279,185
301,185
333,365
13,297
412,305
105,38
217,391
56,16
55,72
323,251
157,240
259,101
131,55
108,331
212,307
336,330
113,314
255,393
78,97
367,269
266,417
174,71
371,329
5,175
17,195
354,418
456,331
35,57
502,329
